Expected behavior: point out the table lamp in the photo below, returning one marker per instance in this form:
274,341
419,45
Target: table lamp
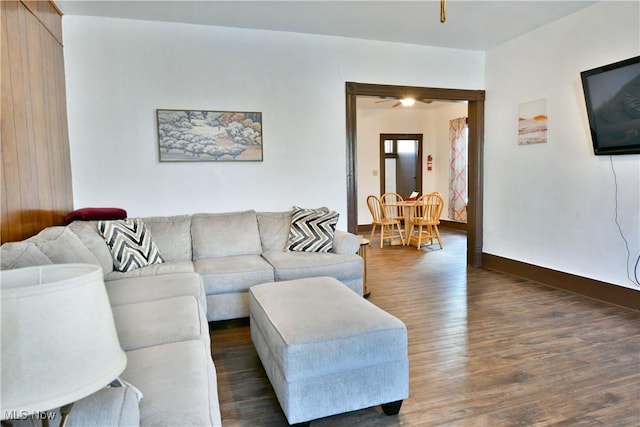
59,341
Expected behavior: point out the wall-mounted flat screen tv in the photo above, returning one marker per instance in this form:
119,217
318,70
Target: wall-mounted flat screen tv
612,95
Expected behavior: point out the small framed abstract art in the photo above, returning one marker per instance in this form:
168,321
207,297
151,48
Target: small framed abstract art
209,136
532,122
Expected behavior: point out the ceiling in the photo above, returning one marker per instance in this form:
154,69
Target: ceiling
473,25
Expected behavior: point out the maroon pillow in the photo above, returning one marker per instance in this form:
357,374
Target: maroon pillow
88,214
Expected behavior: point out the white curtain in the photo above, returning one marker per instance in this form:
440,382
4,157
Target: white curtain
458,169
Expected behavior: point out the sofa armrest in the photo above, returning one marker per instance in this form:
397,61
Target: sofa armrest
345,243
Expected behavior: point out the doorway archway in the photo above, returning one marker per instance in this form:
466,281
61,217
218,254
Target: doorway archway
475,99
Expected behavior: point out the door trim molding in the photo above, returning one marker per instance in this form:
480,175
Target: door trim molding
475,99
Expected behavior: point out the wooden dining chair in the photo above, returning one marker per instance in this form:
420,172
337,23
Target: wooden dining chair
379,218
426,220
391,209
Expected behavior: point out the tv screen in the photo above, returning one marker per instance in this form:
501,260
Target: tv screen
612,95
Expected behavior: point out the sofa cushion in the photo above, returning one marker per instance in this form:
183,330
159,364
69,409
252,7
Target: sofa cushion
233,305
130,243
172,235
149,288
225,234
186,397
21,254
169,267
312,230
298,265
233,274
274,230
62,246
162,321
87,232
110,406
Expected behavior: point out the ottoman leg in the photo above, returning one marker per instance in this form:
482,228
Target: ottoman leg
392,408
304,424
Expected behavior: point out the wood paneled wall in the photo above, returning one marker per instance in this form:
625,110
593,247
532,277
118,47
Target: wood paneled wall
36,188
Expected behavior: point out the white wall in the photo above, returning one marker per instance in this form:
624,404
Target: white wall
554,204
118,72
433,124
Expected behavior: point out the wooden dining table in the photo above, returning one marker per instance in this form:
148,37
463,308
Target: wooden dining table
408,210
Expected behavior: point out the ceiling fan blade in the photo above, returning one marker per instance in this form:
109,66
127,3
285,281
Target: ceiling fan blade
386,98
396,104
425,101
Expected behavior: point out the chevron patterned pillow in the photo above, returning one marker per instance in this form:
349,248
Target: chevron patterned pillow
130,243
312,230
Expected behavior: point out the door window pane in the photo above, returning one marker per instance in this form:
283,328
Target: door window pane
406,146
390,175
388,146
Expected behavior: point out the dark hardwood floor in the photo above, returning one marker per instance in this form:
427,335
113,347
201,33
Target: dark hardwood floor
485,349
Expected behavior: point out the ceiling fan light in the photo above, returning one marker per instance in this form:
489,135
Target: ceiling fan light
407,102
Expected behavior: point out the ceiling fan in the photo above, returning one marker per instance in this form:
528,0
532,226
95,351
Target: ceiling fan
407,101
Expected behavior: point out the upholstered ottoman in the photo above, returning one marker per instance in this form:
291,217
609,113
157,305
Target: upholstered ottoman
327,350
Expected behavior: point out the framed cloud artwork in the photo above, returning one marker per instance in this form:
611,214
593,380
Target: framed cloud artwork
209,136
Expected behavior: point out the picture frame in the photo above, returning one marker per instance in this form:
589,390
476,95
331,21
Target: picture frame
533,122
209,136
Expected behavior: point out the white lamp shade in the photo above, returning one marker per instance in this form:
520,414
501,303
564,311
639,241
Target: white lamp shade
59,341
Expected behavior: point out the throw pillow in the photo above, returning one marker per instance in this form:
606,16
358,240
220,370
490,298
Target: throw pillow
61,245
21,254
88,214
312,230
130,243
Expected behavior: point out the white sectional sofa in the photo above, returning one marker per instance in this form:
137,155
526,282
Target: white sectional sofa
161,311
231,252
